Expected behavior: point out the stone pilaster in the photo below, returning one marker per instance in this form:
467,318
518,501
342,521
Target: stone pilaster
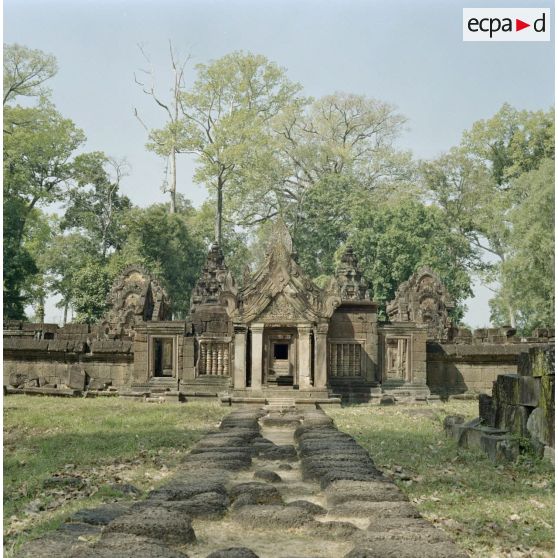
304,357
257,355
239,377
320,359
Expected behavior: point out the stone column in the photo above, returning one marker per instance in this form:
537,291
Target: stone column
239,378
304,357
257,355
320,360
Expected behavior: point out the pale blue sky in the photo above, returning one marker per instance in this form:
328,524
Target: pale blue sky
409,53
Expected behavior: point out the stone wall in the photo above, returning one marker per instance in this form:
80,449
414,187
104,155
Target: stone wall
353,324
518,416
473,360
45,355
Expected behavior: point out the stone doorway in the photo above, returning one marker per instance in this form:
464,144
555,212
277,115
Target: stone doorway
280,358
163,357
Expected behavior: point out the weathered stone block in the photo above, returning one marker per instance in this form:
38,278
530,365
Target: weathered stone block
529,391
487,412
507,389
75,377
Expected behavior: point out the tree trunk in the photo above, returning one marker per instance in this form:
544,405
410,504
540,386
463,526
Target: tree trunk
41,310
513,322
65,313
173,181
219,212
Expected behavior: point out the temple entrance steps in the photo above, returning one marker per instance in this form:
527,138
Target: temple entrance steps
160,385
350,392
280,403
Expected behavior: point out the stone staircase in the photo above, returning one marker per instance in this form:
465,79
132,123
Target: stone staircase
280,403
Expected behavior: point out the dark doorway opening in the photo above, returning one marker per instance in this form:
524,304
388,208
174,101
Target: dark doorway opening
163,358
281,351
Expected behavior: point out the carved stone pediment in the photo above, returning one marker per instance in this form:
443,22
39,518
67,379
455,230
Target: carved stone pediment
280,291
280,309
135,296
423,299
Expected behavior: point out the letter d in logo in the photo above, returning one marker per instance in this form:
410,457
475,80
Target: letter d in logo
540,24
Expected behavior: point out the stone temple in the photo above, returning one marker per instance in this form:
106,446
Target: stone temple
278,337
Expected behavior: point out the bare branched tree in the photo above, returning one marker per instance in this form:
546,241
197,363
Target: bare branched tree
167,146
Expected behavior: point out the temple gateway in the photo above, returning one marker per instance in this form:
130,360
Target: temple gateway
277,338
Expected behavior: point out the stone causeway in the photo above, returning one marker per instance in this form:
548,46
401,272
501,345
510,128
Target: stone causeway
268,483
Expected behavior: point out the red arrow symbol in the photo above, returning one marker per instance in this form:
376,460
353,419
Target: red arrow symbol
519,25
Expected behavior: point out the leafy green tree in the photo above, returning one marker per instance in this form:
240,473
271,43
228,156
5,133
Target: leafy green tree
92,283
41,228
393,240
476,186
38,146
26,71
94,205
527,276
18,265
65,257
341,135
511,142
225,122
165,244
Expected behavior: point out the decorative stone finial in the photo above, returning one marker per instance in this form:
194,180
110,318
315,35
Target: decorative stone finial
214,279
349,278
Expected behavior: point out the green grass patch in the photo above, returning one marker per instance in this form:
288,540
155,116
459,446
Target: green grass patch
90,445
490,510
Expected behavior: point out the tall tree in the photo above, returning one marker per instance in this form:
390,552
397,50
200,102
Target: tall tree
66,256
342,135
527,276
165,243
38,147
393,240
225,120
168,145
476,186
94,204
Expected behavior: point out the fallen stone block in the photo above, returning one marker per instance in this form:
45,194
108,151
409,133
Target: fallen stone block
122,545
101,515
183,490
372,491
269,476
157,522
273,517
310,507
362,508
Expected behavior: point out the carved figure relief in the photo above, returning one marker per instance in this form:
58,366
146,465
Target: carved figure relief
423,299
135,296
215,279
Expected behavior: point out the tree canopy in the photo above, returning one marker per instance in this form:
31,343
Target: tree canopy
330,167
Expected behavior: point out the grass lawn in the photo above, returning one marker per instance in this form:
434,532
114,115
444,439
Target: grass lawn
93,444
491,511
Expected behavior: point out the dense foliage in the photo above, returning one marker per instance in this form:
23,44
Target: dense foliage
330,167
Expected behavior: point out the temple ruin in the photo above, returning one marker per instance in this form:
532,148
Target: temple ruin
279,336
